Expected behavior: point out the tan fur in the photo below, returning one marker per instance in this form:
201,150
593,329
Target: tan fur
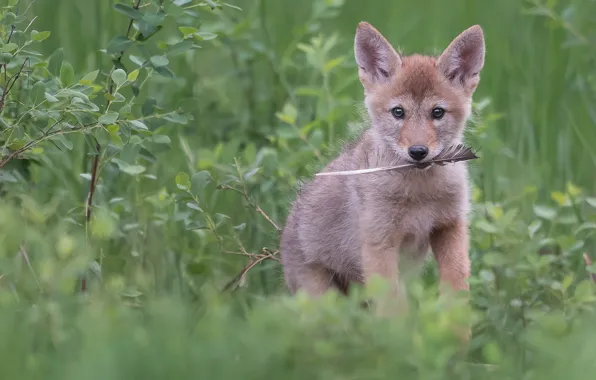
344,229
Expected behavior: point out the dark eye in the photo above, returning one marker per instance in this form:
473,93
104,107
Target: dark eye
398,112
438,112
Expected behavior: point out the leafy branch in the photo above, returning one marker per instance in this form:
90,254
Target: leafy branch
96,158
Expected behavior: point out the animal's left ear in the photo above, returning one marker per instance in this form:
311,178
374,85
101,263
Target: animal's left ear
463,59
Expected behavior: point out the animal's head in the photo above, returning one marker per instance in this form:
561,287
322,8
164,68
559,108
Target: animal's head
419,104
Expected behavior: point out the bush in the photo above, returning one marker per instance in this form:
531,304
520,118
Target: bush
145,175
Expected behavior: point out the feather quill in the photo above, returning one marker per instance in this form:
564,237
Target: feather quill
449,155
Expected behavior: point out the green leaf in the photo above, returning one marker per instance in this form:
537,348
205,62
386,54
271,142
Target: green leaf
136,124
38,92
159,60
161,139
333,64
316,138
103,225
288,114
493,259
586,226
50,98
118,44
573,190
113,129
89,78
7,48
118,98
194,206
133,75
240,227
84,104
39,36
65,142
585,291
70,93
486,227
175,118
5,58
108,118
187,30
560,198
128,168
200,180
67,77
119,77
545,212
205,36
164,71
250,173
220,219
128,11
534,227
149,25
180,47
591,201
55,61
183,181
492,353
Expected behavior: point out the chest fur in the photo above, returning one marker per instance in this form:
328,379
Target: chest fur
408,214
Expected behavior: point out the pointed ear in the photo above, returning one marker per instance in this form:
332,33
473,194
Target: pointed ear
377,60
463,59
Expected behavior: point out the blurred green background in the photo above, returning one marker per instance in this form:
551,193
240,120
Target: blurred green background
180,275
537,74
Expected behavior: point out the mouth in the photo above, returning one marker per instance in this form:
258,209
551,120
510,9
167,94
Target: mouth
423,165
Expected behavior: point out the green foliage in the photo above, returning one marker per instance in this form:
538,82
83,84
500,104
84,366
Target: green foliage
150,149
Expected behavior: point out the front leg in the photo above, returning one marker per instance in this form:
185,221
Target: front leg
379,259
450,247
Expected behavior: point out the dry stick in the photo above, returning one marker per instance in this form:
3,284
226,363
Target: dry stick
13,27
4,92
254,259
248,267
92,185
93,182
11,80
253,205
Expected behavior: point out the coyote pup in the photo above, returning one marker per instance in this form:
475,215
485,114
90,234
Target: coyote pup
344,229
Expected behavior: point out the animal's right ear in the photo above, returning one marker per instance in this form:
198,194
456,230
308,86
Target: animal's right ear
377,60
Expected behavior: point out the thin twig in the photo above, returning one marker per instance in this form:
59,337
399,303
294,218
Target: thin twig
254,259
9,83
4,90
96,159
89,201
240,276
253,205
44,137
26,257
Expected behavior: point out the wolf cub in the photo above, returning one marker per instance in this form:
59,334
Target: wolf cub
346,229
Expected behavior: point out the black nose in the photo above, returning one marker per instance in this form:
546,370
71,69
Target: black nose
418,152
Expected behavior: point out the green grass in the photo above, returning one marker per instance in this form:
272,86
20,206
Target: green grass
268,101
